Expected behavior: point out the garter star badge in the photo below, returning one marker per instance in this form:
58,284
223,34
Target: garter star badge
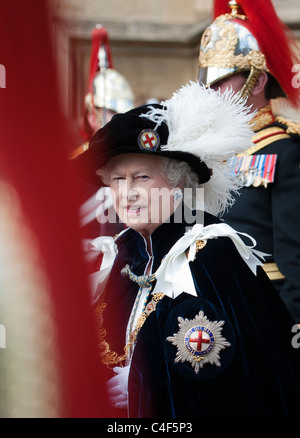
199,341
148,140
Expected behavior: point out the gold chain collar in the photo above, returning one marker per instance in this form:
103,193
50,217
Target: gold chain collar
111,358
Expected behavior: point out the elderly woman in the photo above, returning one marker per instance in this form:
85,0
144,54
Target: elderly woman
189,325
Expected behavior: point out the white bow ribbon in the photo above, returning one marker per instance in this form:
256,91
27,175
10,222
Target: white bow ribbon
174,275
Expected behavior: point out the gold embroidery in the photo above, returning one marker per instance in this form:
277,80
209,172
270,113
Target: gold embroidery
262,118
293,127
199,245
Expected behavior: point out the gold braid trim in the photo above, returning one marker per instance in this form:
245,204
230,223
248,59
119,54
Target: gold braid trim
264,117
293,127
272,271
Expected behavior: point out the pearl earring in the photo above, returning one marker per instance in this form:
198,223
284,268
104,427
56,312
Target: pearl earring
177,195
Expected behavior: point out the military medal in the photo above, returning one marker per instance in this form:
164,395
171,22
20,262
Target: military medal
199,341
255,170
259,166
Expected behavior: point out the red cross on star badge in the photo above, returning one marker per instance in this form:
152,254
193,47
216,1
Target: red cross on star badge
199,341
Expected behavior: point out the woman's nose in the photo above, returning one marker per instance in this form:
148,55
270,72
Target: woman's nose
129,191
133,194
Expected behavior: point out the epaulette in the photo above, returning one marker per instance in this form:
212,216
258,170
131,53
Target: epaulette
265,137
292,126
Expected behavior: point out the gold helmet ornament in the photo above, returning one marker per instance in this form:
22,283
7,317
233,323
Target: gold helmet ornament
247,35
108,91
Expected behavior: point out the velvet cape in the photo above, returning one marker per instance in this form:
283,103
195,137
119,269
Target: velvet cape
258,376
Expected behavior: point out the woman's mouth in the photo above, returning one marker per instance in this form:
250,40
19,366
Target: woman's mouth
133,209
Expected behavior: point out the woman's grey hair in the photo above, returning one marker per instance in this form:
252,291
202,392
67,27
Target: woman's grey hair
178,173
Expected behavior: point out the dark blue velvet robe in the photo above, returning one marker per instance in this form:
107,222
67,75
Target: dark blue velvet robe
259,376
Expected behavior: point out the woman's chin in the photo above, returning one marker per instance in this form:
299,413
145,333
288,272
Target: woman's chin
141,226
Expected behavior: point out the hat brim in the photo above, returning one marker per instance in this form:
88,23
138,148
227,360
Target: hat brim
90,164
121,136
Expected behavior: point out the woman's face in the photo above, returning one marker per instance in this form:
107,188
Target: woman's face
142,195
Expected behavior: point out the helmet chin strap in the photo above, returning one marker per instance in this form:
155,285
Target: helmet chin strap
250,83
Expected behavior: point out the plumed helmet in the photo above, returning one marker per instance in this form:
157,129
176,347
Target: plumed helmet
111,91
247,35
107,88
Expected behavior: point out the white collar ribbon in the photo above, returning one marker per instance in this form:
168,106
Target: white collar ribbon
174,275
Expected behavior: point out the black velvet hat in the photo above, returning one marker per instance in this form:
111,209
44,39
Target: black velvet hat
196,125
130,133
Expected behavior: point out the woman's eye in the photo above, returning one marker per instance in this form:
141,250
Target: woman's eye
117,178
142,177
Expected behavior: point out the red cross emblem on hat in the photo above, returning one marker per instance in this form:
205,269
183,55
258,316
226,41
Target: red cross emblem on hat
148,140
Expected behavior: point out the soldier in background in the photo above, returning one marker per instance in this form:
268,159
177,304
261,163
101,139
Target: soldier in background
108,93
247,48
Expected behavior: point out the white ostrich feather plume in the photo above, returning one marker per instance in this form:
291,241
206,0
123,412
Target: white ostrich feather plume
213,126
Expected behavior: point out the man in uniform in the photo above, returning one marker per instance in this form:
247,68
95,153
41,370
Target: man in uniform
247,49
108,93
